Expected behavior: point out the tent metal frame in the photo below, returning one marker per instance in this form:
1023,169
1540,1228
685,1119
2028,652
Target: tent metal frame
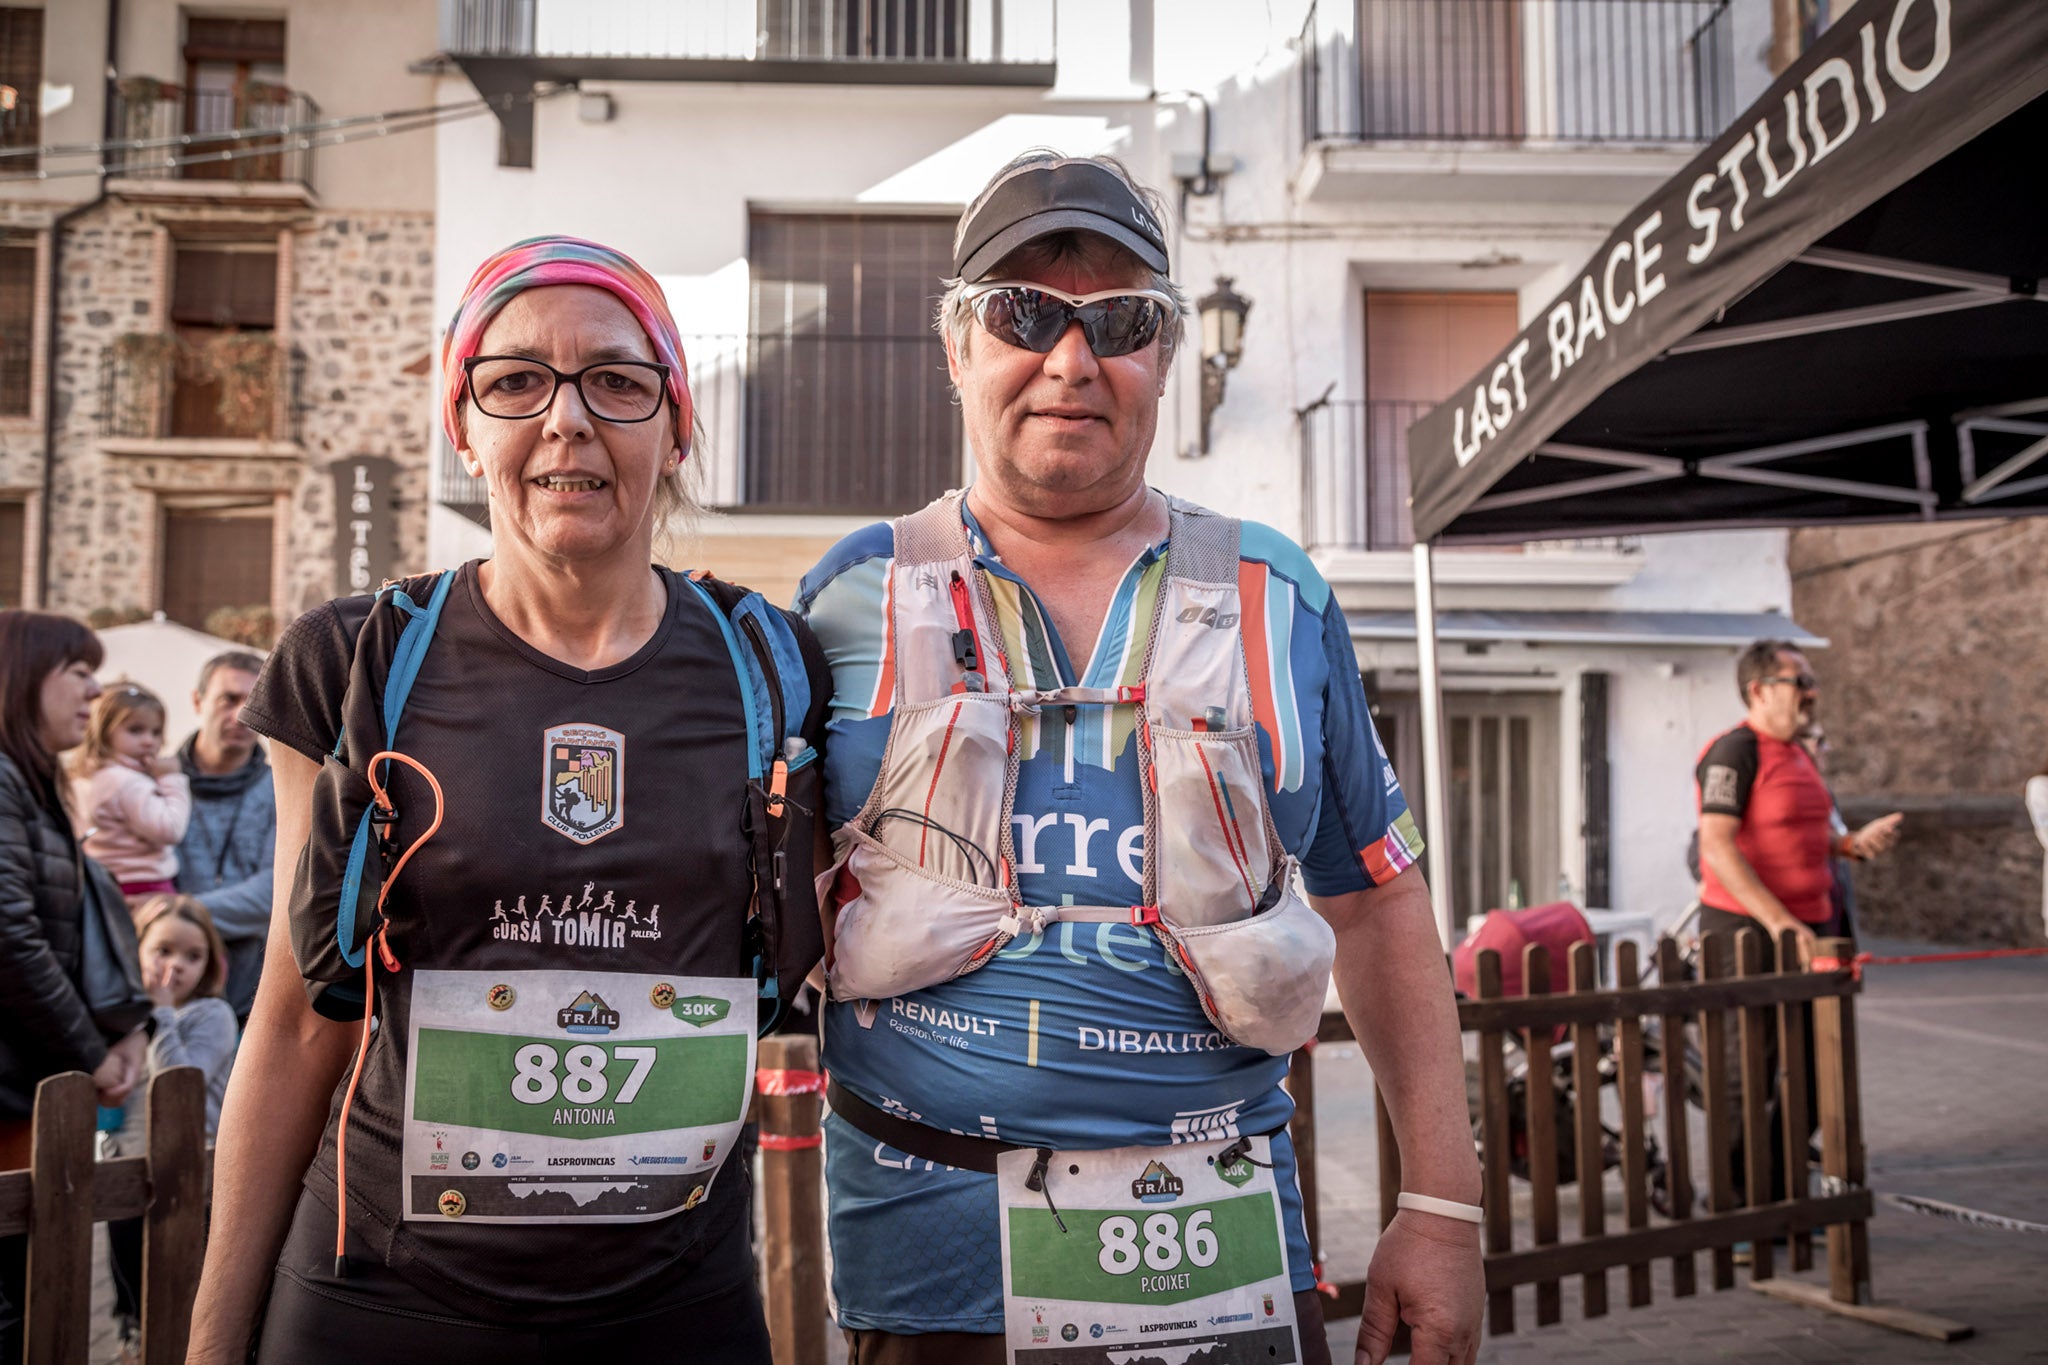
1961,289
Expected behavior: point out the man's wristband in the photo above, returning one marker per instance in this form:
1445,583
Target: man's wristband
1845,847
1443,1208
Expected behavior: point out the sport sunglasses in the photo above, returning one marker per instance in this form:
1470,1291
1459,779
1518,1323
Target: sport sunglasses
1114,321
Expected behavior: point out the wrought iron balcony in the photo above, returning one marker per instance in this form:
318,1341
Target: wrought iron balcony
903,42
1517,71
228,386
237,135
17,365
1354,468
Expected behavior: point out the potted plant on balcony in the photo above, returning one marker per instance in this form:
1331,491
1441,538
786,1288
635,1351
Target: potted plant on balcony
141,99
245,366
141,382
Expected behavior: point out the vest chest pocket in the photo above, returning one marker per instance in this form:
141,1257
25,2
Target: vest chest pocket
939,805
1216,859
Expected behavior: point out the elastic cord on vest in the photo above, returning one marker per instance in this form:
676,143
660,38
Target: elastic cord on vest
382,948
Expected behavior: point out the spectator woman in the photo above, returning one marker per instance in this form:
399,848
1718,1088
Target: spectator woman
46,1027
573,888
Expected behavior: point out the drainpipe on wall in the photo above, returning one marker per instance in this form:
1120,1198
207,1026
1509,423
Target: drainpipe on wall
63,220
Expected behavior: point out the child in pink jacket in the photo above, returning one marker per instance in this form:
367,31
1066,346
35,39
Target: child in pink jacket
131,798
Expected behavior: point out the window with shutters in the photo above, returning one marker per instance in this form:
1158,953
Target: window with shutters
224,315
848,407
21,83
17,325
1504,775
215,558
13,551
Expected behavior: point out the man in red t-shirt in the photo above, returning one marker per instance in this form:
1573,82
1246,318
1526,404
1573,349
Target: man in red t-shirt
1766,831
1767,843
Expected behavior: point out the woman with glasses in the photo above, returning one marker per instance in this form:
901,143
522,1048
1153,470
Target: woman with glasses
529,1164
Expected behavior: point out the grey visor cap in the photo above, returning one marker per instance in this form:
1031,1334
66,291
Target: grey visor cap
1068,196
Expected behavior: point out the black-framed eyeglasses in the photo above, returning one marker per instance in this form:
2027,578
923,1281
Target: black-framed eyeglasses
1806,682
1114,321
514,386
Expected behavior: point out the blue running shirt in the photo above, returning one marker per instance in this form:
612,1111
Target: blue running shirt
1086,1036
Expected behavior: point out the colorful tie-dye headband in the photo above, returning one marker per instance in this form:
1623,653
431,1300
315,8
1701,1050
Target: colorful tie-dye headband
541,261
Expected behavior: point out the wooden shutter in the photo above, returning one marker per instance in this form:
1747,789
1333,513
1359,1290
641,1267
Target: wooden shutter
21,67
17,325
215,557
1418,347
849,409
215,287
234,40
1594,782
13,551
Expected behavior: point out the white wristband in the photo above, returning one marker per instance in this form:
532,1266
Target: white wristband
1445,1208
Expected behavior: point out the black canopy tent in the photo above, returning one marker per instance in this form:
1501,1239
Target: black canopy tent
1831,315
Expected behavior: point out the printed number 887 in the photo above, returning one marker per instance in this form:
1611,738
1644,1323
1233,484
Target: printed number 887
534,1080
1163,1247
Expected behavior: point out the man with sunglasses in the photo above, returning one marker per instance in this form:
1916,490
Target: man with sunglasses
973,1088
1768,840
1766,816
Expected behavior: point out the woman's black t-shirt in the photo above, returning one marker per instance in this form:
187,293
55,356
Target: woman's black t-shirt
639,865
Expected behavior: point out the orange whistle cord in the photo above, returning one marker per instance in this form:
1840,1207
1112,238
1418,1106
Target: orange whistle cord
379,946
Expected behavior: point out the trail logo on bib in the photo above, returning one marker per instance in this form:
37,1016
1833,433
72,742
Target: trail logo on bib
583,796
1156,1185
589,1014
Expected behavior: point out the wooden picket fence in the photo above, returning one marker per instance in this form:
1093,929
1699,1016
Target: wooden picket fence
1735,980
57,1201
64,1192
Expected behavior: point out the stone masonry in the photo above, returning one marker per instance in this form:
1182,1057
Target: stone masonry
1934,701
359,315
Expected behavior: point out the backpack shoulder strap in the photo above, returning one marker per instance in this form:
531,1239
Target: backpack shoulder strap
775,685
406,659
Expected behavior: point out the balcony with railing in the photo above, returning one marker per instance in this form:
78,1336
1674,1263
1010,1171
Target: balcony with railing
805,424
1464,78
1354,504
234,390
900,42
17,371
238,136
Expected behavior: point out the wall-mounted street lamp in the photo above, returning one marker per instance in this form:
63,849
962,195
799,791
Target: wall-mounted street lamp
1222,313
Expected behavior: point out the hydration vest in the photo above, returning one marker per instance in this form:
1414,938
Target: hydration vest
926,883
338,887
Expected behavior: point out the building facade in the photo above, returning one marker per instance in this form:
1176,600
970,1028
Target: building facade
217,278
1935,706
1395,186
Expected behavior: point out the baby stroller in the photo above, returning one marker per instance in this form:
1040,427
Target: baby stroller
1558,927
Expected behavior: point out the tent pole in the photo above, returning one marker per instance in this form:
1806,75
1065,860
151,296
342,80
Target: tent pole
1436,835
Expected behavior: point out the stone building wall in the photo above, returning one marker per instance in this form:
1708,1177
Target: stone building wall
1935,698
360,314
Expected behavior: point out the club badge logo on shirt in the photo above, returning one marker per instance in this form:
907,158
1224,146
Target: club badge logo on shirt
583,796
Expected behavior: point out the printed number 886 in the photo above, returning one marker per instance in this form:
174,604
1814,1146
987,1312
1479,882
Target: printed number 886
1163,1246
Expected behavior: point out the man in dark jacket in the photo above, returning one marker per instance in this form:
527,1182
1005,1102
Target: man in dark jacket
225,857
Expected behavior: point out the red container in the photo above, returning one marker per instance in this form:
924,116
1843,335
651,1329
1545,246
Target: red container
1556,926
